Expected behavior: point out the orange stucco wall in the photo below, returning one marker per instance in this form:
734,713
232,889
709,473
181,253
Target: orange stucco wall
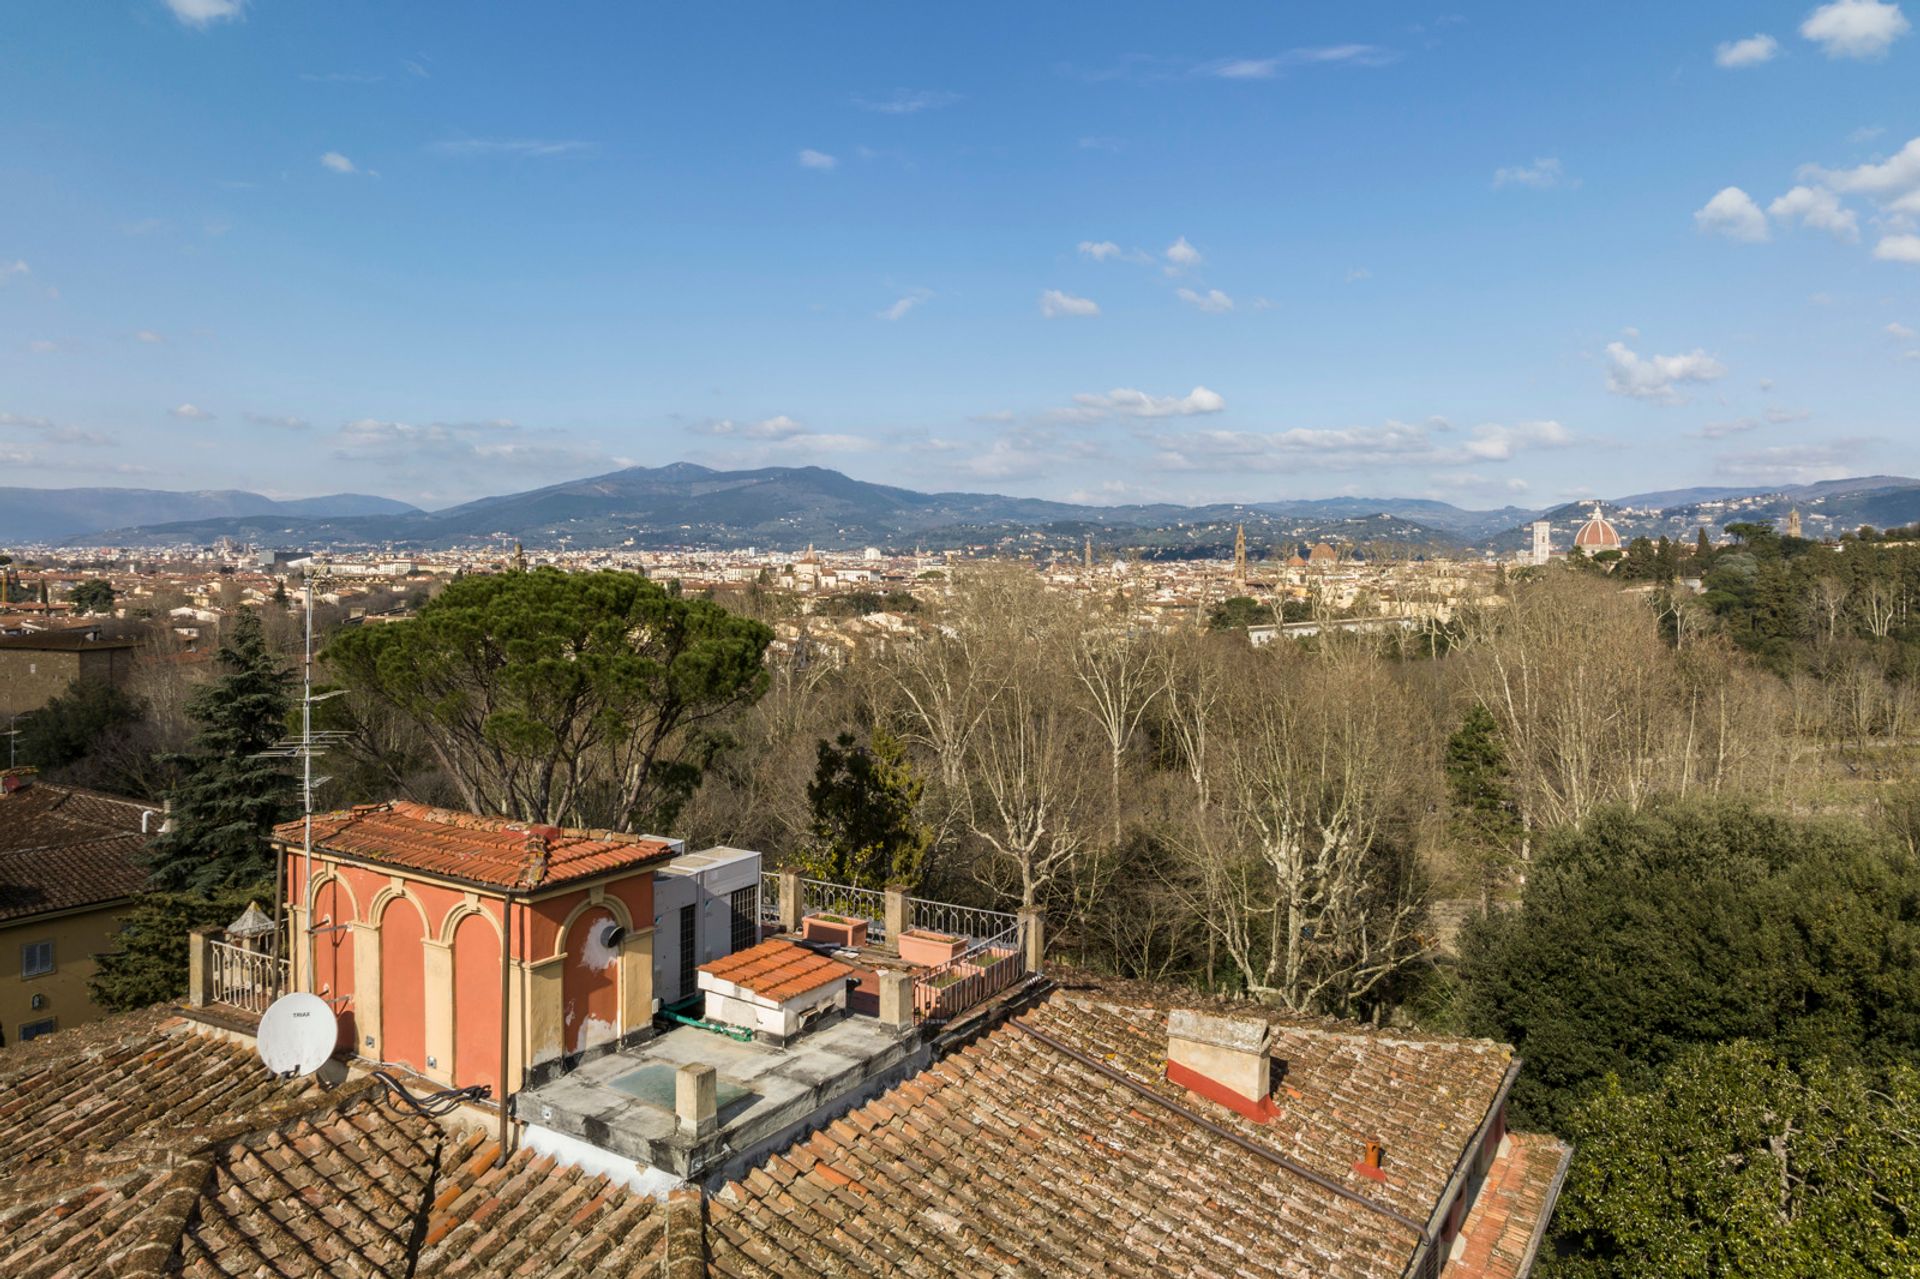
476,1002
403,989
590,987
409,915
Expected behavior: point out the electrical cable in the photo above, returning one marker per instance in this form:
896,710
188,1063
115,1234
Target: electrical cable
435,1104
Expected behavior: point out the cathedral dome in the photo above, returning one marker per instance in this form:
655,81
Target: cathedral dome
1597,534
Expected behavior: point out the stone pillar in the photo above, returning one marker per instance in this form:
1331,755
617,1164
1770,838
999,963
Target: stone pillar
199,968
789,901
636,981
1033,926
896,999
696,1096
297,974
437,972
546,1036
366,989
899,916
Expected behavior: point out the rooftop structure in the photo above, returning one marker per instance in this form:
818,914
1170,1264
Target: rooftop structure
70,861
1597,534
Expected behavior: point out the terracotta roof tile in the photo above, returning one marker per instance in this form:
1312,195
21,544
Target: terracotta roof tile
495,851
778,970
62,847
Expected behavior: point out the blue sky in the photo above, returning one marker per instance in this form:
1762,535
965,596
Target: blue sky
1113,252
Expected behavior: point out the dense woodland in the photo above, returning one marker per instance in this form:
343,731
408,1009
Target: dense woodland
1665,841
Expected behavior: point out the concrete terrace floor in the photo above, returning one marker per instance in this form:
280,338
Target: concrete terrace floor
777,1088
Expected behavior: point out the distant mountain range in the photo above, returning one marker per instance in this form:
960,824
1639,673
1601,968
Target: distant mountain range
60,515
790,507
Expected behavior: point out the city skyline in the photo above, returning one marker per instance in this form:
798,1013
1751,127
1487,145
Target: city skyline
1478,255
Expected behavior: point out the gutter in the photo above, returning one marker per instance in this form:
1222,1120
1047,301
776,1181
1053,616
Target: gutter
1464,1165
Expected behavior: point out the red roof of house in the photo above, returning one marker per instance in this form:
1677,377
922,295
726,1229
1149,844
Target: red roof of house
496,851
777,970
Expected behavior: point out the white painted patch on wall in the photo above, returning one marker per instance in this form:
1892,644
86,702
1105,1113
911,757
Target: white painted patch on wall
575,1153
597,954
597,1031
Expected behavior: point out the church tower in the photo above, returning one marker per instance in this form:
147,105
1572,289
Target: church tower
1240,559
1793,522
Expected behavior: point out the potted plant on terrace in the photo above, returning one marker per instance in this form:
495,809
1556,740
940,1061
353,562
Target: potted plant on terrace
924,948
845,931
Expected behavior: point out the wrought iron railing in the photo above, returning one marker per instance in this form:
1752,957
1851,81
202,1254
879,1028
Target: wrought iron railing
818,897
246,979
975,975
769,897
970,922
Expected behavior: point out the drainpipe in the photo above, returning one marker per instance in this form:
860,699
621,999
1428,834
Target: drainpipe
506,967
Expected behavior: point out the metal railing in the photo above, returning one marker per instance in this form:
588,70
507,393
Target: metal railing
246,979
976,974
769,896
970,922
818,897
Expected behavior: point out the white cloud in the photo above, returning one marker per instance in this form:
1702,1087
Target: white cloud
1819,208
1732,213
1213,301
40,346
531,148
1495,443
1349,448
1099,250
200,13
1793,463
1750,52
1358,273
1724,429
1056,305
1127,402
149,336
1855,28
1361,55
1542,174
1656,377
191,413
281,422
1182,254
899,310
338,163
13,268
1898,248
811,159
1900,331
1887,179
908,101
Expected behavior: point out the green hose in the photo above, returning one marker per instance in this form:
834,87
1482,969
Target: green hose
740,1033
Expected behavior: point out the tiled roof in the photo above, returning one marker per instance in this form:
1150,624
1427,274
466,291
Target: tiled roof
1009,1156
778,970
169,1153
1509,1218
496,851
61,847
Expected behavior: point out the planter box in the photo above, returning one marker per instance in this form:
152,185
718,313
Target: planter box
836,930
928,949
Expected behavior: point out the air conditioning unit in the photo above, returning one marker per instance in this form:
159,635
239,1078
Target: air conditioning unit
705,905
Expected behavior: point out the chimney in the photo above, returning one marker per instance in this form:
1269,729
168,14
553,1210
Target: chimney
1370,1163
1227,1060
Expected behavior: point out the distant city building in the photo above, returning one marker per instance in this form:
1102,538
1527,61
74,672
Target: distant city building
1793,522
1542,541
1597,534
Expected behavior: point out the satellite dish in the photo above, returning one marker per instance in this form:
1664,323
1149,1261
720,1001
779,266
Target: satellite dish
297,1034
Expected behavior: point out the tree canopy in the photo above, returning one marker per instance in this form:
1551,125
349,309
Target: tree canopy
1647,932
229,797
866,829
1736,1165
571,698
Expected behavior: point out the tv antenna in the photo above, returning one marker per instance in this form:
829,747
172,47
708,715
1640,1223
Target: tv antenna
297,1034
306,748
